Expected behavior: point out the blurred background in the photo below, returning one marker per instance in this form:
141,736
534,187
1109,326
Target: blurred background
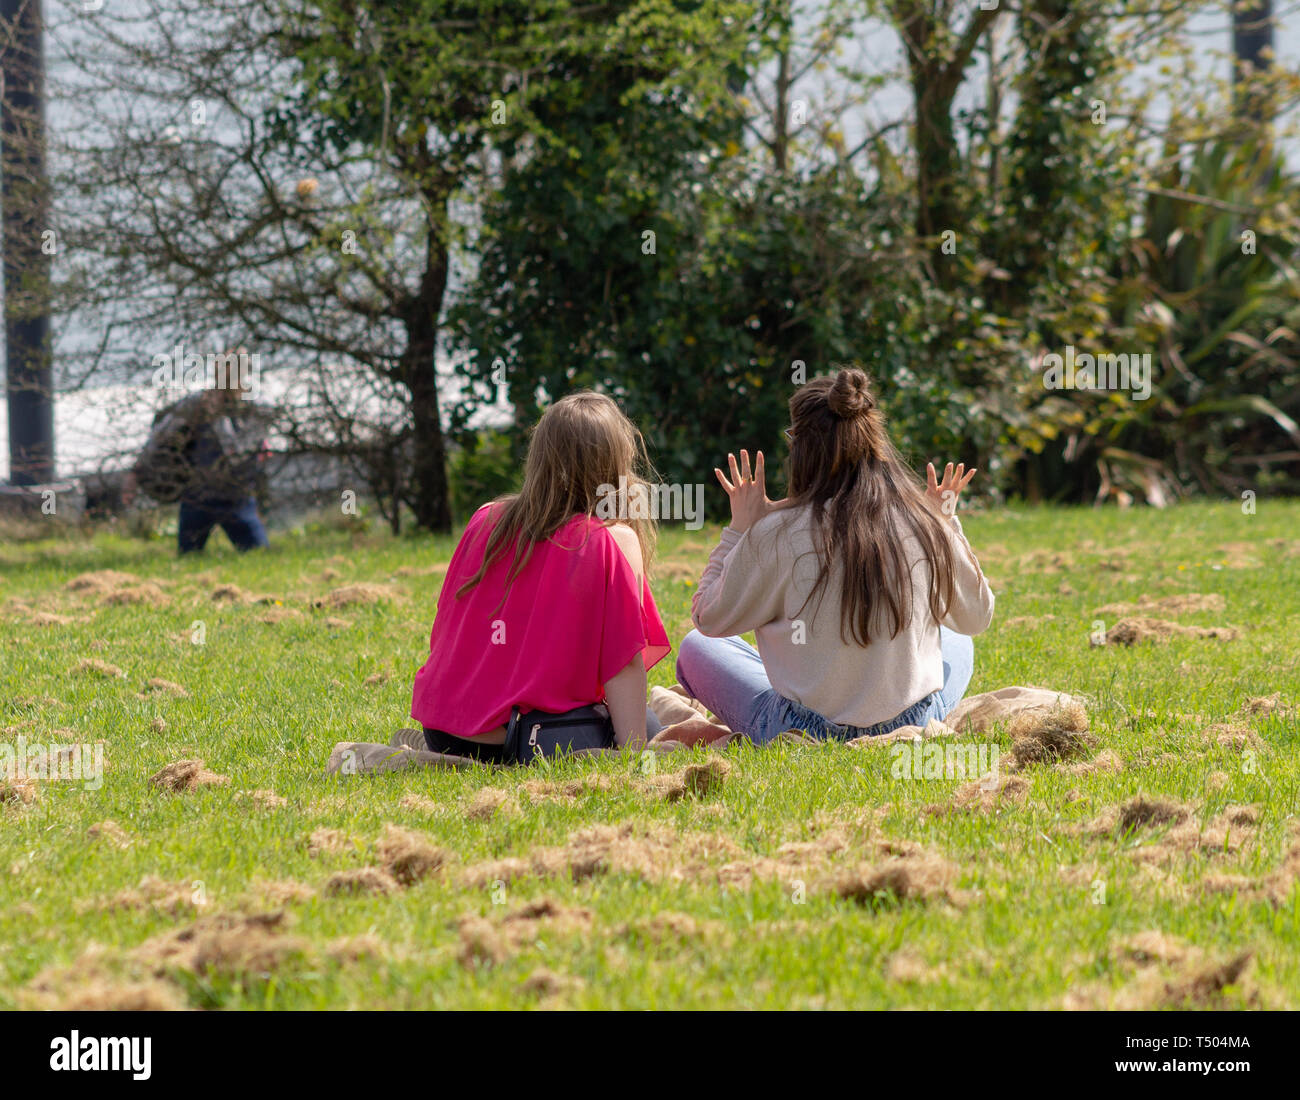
426,219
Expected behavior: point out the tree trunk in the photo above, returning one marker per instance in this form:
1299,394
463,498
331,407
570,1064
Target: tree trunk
30,374
935,149
395,481
428,492
936,75
1252,48
781,123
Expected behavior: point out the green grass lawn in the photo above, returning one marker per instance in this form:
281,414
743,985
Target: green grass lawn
580,884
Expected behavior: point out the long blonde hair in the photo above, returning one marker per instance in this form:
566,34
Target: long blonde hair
585,457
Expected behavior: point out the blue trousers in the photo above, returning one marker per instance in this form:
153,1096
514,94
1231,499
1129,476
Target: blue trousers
727,676
240,522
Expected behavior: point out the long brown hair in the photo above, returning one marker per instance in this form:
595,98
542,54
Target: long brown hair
865,500
584,458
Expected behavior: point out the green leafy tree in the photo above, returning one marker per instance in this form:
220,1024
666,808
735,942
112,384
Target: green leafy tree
646,254
442,90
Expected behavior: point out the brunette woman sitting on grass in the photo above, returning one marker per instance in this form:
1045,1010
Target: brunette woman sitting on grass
546,626
860,587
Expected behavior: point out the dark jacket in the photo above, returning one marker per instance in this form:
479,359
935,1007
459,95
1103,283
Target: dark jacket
205,459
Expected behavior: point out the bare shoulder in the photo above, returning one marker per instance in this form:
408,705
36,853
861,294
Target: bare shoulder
627,541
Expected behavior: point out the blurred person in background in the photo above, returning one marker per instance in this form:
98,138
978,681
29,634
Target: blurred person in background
204,452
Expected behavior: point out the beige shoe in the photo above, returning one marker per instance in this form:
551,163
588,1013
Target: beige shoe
671,705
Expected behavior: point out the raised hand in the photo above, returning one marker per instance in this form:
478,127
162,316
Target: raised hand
748,494
943,494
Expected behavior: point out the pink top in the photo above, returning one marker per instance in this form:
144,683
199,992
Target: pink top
571,621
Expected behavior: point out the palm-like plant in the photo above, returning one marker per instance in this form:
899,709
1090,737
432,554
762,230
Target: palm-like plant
1211,282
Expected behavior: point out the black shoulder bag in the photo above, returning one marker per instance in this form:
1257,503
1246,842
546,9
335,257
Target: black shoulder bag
534,733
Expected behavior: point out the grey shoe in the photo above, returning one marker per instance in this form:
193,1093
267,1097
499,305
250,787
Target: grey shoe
409,739
359,758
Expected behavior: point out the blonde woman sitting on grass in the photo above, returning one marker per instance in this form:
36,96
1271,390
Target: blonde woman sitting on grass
546,625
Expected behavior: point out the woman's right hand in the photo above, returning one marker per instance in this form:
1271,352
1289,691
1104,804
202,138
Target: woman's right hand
747,494
943,494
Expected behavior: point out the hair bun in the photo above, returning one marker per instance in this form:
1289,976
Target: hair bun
850,395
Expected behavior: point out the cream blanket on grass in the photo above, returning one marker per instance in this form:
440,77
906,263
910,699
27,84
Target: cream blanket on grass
686,721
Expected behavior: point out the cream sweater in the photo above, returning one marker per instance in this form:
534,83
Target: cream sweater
760,579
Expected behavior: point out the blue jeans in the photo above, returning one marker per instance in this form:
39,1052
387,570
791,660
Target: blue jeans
727,676
239,520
